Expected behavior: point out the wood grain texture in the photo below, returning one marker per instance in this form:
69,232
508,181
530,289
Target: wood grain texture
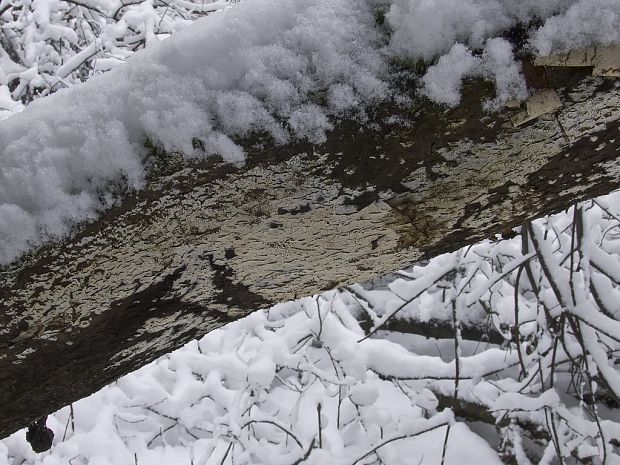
210,242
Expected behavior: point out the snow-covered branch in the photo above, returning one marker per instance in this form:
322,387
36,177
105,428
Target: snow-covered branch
291,147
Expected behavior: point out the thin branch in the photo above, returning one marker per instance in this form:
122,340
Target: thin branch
273,423
398,438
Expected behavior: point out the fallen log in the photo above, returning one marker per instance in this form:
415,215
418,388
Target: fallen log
207,243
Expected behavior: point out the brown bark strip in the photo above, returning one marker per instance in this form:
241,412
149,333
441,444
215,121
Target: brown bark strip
211,242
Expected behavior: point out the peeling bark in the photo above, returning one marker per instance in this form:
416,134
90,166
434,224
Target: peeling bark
211,242
604,60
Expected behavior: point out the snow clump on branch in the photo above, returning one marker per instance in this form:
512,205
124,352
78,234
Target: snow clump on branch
286,68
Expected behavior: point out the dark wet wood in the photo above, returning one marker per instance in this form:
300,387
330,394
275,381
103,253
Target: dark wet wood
207,244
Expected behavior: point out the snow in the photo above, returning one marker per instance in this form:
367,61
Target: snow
583,23
188,405
242,70
442,82
278,383
499,63
303,376
429,28
465,447
284,68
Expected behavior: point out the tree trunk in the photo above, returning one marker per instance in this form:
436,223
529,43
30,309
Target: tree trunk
209,243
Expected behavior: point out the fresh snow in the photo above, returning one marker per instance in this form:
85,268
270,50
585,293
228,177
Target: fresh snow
302,380
318,378
266,372
286,68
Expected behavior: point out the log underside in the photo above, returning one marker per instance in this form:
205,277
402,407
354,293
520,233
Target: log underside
211,242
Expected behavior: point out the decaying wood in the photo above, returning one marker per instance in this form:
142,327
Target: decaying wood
541,103
211,242
604,60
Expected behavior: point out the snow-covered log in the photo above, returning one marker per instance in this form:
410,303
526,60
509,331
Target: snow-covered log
207,243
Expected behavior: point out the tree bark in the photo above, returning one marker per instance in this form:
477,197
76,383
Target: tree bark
206,244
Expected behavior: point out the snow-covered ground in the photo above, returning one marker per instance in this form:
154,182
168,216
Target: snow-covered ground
301,382
266,389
